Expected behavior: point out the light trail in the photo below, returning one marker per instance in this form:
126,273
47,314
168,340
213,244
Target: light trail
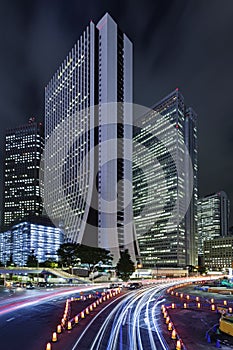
23,302
126,321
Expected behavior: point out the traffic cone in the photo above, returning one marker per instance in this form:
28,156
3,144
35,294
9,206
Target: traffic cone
69,325
178,345
58,328
174,334
48,346
54,337
76,319
169,327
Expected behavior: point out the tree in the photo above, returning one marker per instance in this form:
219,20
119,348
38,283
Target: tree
93,255
49,263
125,266
10,262
68,254
32,260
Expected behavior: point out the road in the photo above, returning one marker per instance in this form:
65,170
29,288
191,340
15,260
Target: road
131,322
28,320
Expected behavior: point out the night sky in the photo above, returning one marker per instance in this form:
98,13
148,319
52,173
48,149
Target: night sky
177,43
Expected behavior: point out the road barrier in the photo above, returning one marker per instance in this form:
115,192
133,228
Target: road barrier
67,322
179,345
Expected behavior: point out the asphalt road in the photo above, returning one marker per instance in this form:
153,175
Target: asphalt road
128,322
27,321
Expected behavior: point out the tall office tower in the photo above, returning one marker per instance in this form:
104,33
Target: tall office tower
86,147
22,191
213,218
165,183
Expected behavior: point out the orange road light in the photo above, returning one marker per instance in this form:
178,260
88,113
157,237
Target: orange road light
54,337
174,334
178,345
213,307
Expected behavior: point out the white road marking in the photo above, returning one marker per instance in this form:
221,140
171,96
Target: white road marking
10,319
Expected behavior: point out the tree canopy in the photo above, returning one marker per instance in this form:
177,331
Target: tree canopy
125,266
32,260
70,254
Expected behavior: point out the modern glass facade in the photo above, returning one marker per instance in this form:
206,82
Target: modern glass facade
213,218
26,238
5,246
22,190
162,176
96,72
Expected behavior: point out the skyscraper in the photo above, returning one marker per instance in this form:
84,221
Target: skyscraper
213,218
165,183
22,191
86,147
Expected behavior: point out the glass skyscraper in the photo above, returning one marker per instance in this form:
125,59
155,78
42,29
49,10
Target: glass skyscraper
165,176
22,190
213,218
86,146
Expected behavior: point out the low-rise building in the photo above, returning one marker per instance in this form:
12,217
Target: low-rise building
37,236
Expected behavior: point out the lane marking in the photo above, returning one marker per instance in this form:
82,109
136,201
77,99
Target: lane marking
10,319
